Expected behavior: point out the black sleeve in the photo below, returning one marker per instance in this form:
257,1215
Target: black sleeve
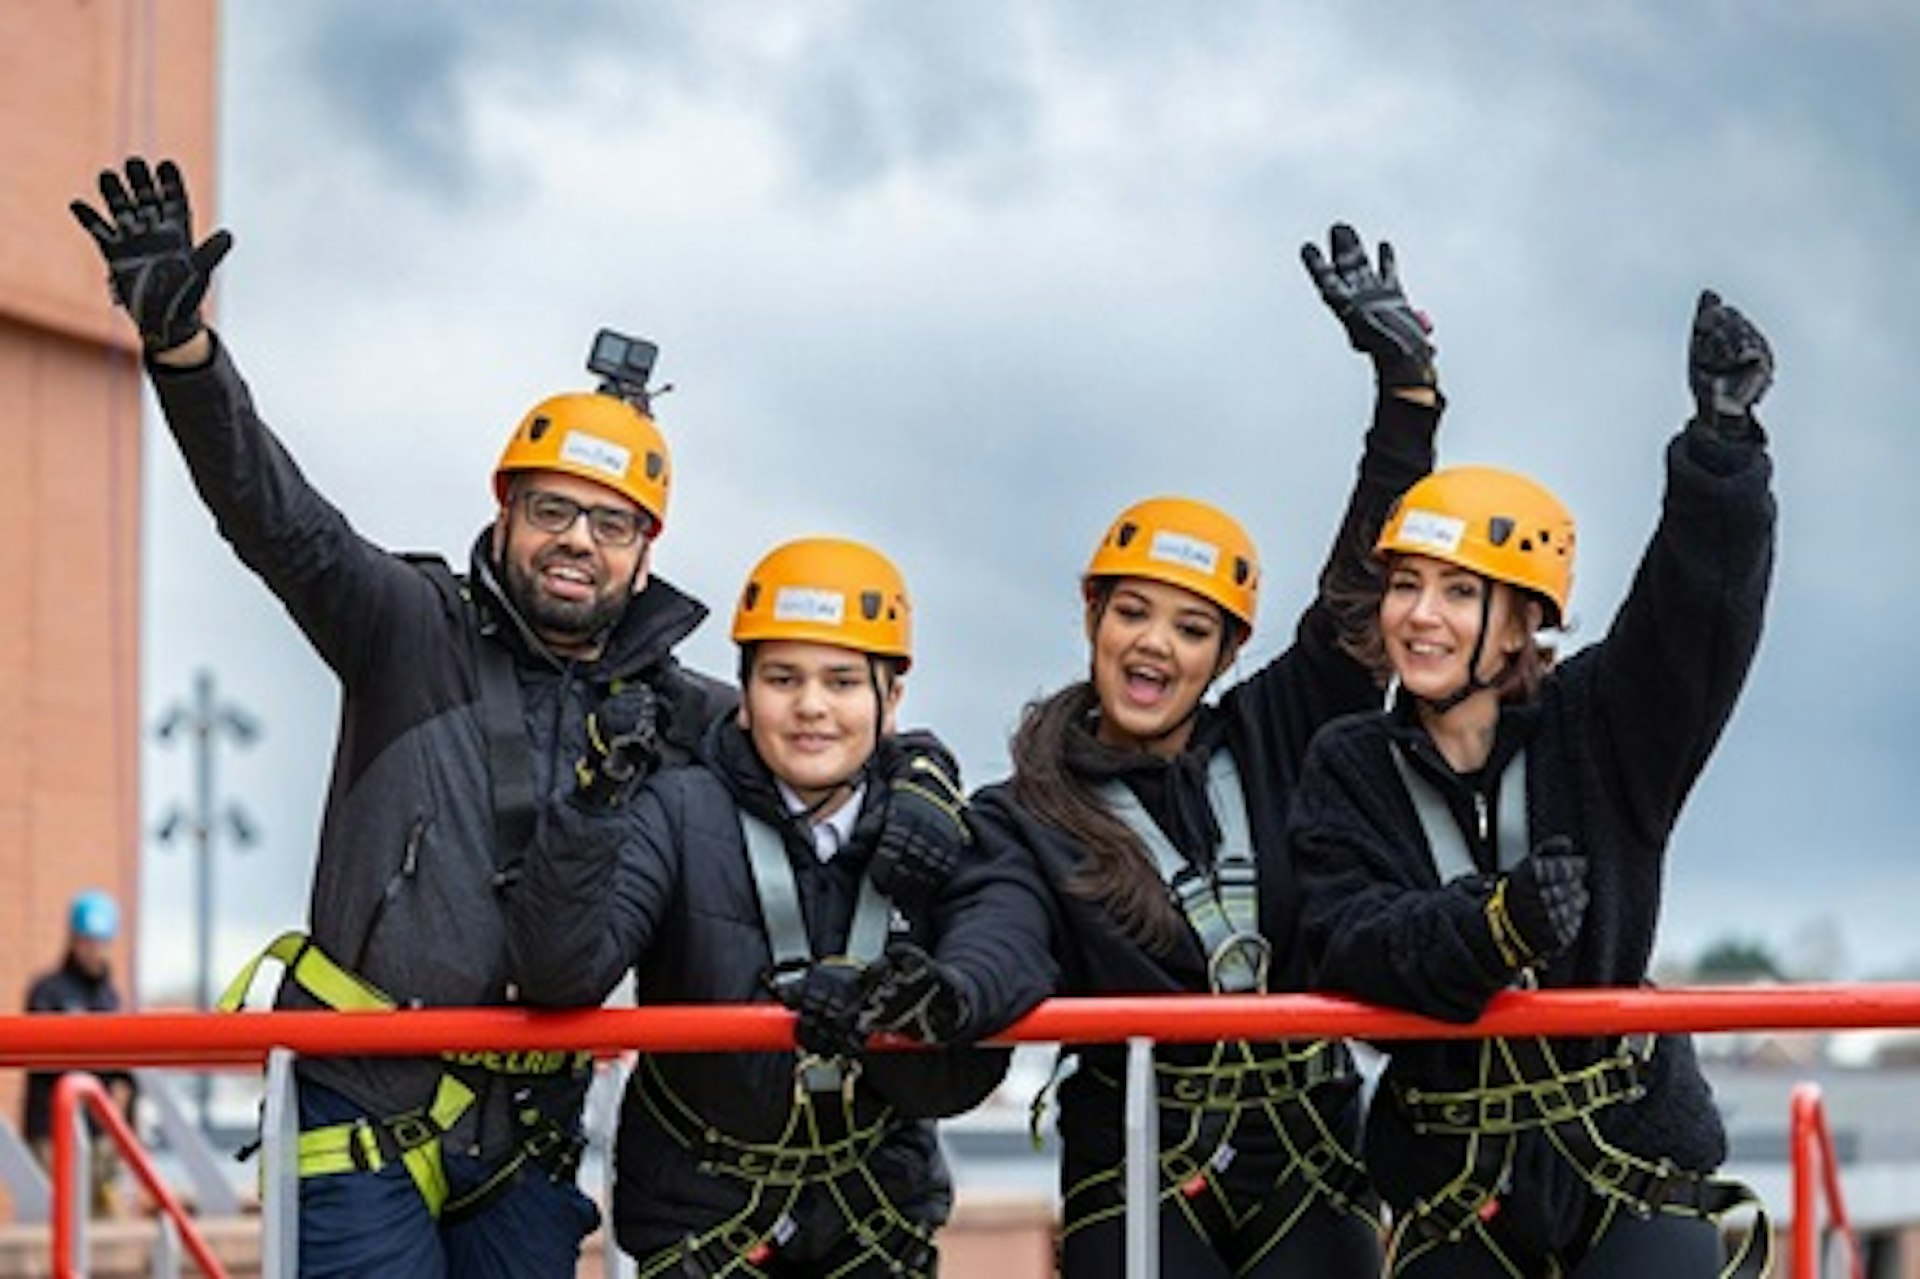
593,891
935,1083
1378,926
1316,679
339,588
1665,679
995,931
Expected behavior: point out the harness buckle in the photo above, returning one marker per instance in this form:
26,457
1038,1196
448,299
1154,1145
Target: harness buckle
411,1131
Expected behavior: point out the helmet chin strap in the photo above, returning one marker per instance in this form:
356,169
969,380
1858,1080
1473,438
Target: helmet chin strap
1473,682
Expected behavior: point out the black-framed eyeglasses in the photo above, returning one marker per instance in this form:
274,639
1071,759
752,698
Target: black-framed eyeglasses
616,526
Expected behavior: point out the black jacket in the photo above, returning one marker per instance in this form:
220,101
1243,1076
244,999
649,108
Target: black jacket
664,886
403,888
1266,721
67,989
1614,741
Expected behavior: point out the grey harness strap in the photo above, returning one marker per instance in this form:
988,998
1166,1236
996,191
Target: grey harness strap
1223,905
786,926
1451,856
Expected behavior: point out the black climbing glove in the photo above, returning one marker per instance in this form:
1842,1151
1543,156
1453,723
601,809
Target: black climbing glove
1729,367
1380,322
158,273
827,997
908,992
623,747
924,832
1536,907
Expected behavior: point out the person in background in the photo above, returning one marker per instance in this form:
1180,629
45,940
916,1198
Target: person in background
1157,819
83,983
1505,822
814,857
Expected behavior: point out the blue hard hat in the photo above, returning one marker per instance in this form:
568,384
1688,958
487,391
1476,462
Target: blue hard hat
95,914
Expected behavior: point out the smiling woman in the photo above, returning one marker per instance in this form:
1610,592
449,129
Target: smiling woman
1157,820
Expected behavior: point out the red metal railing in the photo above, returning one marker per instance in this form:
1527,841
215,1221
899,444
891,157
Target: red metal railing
70,1093
224,1040
1816,1172
203,1039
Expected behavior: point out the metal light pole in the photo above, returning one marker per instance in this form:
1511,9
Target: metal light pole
201,825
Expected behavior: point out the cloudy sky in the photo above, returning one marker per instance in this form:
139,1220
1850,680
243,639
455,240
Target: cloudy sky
963,279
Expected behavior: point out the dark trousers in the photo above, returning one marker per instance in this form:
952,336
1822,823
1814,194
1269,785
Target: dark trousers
1324,1242
357,1224
1669,1247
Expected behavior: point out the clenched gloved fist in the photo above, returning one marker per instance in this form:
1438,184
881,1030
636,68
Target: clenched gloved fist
1379,320
907,992
1536,908
827,997
158,274
1729,367
924,833
623,746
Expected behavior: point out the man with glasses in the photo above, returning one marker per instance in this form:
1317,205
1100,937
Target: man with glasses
467,702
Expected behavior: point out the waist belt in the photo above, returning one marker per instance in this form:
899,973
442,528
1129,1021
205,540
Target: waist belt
1227,1086
415,1137
1538,1096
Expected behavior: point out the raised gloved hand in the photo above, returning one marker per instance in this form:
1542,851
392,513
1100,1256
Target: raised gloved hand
158,274
623,746
1379,320
1729,367
908,992
924,832
827,996
1536,907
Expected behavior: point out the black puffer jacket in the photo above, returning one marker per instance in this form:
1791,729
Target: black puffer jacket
664,886
1613,743
1267,722
403,889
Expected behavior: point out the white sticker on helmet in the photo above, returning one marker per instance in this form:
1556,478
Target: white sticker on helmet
1432,529
1187,552
596,454
808,604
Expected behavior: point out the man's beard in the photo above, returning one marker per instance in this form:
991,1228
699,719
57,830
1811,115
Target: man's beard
564,620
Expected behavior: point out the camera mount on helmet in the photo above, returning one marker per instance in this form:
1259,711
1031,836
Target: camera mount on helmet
624,364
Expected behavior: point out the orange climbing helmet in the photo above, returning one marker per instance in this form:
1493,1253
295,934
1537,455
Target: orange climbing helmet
595,436
827,590
1496,523
1184,543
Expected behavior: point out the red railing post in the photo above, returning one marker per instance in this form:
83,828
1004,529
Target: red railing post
1811,1143
73,1091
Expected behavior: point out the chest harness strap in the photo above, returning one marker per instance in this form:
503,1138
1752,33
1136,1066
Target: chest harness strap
823,1147
415,1137
1523,1088
1203,1106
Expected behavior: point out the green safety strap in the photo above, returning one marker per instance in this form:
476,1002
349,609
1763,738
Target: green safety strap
315,972
1223,905
786,925
414,1137
1448,846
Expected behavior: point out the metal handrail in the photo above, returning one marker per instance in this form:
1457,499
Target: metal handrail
1812,1146
70,1155
226,1039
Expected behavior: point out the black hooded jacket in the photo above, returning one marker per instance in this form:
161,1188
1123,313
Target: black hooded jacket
1614,742
663,886
1266,721
404,886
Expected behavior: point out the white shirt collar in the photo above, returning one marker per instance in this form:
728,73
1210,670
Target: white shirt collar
833,833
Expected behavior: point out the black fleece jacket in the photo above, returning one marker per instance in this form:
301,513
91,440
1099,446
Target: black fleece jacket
664,886
1266,721
1614,741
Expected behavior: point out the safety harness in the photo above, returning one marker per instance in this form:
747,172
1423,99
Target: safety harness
1238,1082
1522,1088
415,1137
822,1146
